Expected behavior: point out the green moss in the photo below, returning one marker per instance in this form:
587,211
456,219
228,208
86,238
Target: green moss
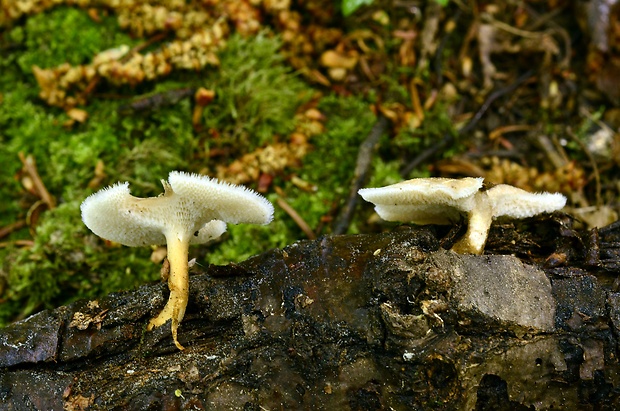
331,164
25,127
66,34
153,144
257,94
257,98
65,157
384,173
243,241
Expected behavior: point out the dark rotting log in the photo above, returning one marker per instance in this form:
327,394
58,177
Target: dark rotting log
362,322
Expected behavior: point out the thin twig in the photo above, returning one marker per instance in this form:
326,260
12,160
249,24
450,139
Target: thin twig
426,154
30,166
549,18
552,149
415,101
499,131
95,80
6,230
488,18
362,166
301,223
494,96
19,243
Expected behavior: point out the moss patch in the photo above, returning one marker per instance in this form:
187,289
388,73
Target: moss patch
66,35
258,95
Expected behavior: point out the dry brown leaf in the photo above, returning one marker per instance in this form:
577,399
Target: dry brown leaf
77,114
334,59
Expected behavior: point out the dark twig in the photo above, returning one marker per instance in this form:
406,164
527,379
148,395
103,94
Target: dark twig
494,96
157,101
449,138
362,167
426,154
156,38
95,80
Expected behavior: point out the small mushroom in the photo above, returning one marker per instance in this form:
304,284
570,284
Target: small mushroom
192,209
423,201
445,201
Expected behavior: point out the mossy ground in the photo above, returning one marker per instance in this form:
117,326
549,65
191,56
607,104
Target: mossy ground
258,96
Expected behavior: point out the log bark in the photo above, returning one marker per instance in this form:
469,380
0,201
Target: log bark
359,322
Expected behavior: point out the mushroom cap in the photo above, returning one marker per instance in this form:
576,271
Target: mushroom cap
432,200
193,208
227,202
509,201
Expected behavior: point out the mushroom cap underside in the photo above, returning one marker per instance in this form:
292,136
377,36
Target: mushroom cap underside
456,193
421,214
116,215
192,206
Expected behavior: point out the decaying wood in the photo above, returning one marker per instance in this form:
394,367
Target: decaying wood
363,322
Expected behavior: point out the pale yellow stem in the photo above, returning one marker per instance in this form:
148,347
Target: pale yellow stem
480,219
178,283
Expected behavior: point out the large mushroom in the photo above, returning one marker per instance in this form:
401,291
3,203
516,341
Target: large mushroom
445,201
192,209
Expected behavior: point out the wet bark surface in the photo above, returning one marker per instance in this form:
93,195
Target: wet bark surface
363,322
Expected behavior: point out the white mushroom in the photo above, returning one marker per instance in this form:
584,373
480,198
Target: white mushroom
192,209
444,201
509,201
424,200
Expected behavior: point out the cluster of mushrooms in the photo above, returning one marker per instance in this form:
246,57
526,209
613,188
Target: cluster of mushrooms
195,209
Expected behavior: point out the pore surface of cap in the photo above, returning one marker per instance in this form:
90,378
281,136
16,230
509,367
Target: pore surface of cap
424,200
188,209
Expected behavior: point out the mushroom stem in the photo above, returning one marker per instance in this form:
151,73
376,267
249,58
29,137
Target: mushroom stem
178,283
480,219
